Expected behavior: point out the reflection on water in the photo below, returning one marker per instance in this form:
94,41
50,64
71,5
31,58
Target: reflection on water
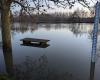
36,45
67,58
75,28
92,70
39,70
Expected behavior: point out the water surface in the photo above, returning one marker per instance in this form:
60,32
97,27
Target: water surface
68,55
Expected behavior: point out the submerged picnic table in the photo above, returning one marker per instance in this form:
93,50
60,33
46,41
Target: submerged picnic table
34,40
36,45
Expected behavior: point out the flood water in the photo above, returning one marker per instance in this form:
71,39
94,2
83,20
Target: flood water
67,56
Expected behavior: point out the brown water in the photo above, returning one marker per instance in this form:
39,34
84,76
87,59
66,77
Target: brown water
68,56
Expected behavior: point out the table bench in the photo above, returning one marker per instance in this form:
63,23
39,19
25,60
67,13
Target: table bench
34,40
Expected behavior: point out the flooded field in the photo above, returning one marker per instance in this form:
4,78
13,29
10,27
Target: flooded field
67,56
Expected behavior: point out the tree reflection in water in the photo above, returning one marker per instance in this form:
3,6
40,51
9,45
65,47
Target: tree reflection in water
31,69
35,69
39,70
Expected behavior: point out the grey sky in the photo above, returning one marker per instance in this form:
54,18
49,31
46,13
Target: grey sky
56,9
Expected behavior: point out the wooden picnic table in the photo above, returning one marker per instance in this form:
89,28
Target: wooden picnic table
34,40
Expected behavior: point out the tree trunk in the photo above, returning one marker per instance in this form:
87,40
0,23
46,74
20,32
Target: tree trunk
6,37
6,26
8,58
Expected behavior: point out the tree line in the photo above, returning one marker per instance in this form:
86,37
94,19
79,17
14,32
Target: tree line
80,16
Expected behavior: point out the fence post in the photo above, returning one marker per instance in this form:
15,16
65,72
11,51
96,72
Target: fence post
95,31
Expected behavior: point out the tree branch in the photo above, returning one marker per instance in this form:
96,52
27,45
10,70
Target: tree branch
25,8
19,4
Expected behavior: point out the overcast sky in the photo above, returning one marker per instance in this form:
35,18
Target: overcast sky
56,9
76,6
